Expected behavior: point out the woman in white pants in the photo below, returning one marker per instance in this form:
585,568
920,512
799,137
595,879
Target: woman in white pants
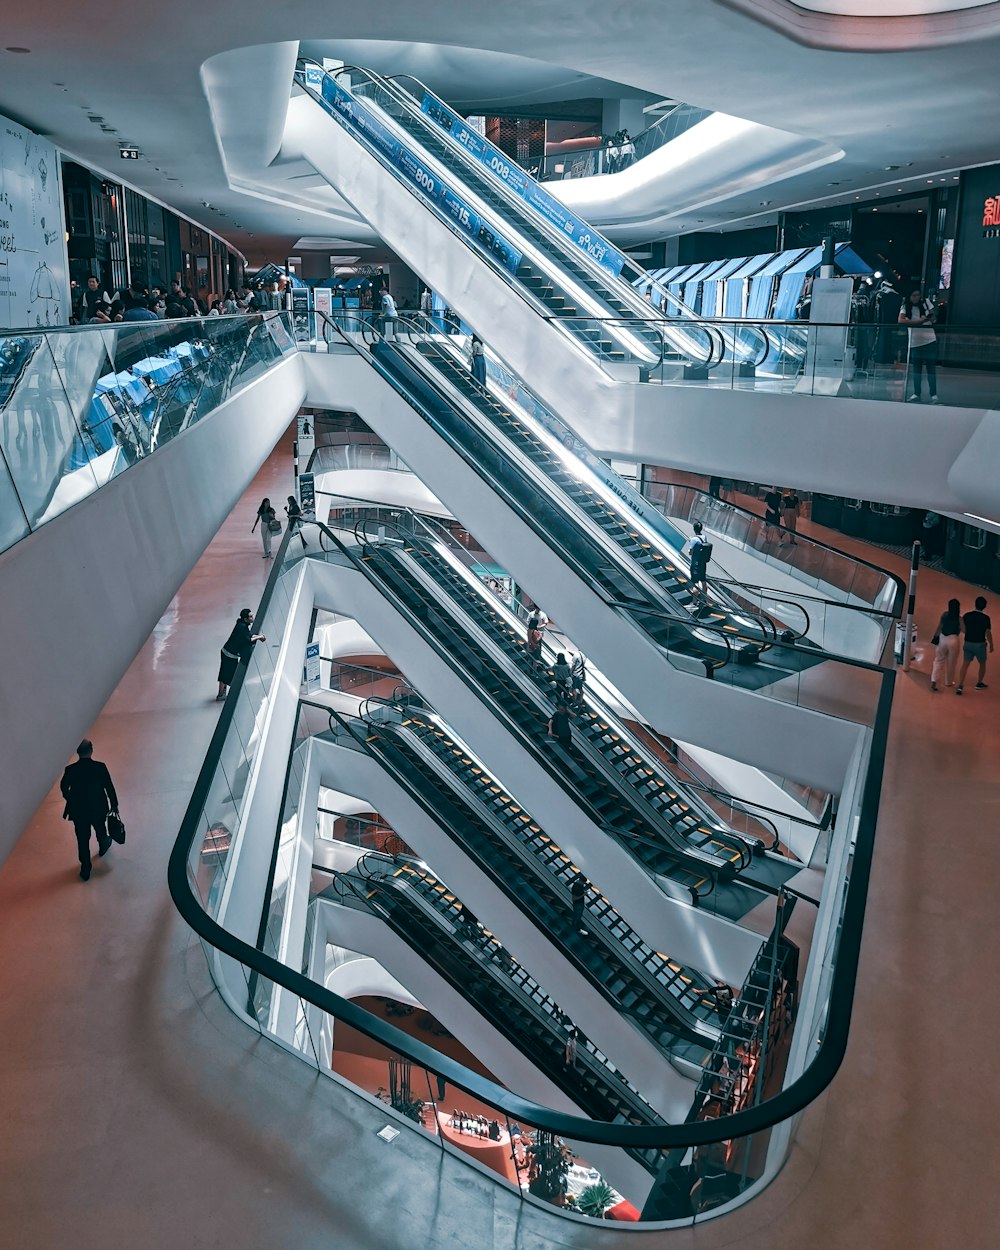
949,637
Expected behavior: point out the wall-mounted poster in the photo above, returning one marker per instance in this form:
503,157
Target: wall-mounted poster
34,284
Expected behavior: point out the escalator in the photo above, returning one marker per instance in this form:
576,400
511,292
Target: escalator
429,918
616,783
582,520
566,270
649,989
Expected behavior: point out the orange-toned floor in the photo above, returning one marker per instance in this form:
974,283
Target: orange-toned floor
137,1112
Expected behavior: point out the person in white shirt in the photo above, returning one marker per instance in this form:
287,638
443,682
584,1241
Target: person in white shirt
918,315
389,314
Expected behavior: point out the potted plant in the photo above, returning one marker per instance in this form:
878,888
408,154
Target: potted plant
595,1199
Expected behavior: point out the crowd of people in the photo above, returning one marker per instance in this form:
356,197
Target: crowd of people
139,301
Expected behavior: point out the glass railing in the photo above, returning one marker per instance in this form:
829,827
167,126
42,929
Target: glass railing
554,261
830,360
761,651
853,605
612,157
80,405
738,1132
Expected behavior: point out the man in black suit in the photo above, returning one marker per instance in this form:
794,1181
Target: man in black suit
90,794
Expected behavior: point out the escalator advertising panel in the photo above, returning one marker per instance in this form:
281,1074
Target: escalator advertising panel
359,118
544,204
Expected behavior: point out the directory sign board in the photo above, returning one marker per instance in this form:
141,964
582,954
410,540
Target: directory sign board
307,494
34,283
546,205
310,670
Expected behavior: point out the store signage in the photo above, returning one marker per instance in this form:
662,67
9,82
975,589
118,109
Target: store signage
310,670
307,493
991,217
300,314
545,205
34,284
357,117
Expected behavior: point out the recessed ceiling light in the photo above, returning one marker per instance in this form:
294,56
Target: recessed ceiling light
21,51
891,168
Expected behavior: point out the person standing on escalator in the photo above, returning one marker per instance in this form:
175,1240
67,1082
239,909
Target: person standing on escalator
536,624
699,551
477,364
389,315
578,893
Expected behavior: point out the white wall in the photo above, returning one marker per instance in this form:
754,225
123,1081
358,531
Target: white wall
82,593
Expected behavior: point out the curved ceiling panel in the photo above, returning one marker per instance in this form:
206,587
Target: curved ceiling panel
875,25
889,8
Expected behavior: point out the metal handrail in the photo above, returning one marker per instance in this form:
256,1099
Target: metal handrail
717,346
683,619
813,542
771,1111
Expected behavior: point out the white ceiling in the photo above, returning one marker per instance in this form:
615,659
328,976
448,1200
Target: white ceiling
928,111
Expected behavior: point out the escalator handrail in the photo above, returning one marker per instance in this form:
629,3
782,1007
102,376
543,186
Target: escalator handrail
687,856
683,618
432,524
621,1091
899,597
770,1111
657,323
417,539
641,274
671,1002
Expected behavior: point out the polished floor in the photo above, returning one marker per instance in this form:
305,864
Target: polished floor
138,1112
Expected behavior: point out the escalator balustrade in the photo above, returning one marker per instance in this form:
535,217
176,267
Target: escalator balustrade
583,296
651,989
651,583
423,911
617,783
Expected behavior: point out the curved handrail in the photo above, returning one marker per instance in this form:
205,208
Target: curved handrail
684,619
392,87
763,1115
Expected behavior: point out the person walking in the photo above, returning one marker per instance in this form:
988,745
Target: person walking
946,641
772,513
90,795
918,315
578,893
294,514
238,646
978,636
477,364
791,506
569,1050
267,518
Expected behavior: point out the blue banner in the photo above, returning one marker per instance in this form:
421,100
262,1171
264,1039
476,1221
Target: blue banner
547,206
356,116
